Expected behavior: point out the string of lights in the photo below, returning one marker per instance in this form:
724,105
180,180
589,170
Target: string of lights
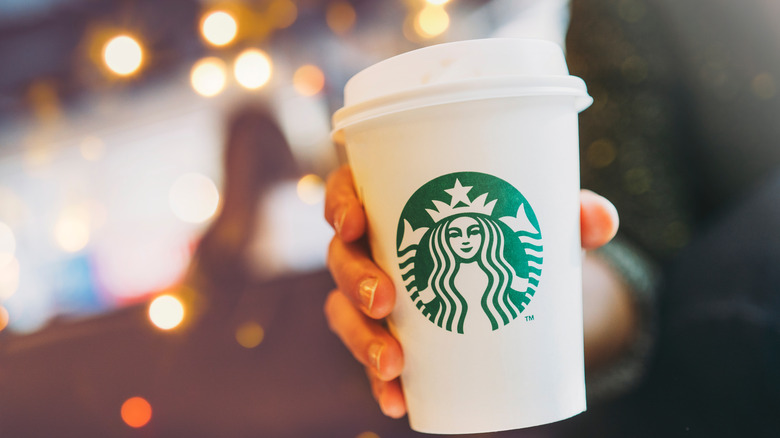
123,54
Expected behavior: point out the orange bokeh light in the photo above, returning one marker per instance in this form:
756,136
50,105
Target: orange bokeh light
431,21
340,17
3,318
136,412
308,80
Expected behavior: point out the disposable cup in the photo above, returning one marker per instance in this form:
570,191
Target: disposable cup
465,157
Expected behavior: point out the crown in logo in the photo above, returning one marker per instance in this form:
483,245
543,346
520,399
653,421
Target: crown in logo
461,203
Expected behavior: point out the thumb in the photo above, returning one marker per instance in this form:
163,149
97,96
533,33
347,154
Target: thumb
598,220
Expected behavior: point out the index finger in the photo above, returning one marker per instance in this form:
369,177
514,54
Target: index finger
343,210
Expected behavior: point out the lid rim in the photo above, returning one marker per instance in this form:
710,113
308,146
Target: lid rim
462,91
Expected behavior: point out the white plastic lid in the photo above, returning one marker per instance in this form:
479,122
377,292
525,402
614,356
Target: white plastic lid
459,71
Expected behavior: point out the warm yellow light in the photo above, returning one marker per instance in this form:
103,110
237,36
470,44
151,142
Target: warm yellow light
7,244
308,80
431,21
208,76
219,28
282,13
250,334
311,189
4,317
252,69
340,17
136,412
92,148
9,278
437,2
166,312
71,231
123,55
193,198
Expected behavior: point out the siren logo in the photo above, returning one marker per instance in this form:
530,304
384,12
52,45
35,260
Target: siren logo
470,251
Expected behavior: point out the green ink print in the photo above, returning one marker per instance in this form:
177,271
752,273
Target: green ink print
469,242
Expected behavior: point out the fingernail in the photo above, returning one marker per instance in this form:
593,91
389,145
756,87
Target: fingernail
338,220
366,291
393,411
375,354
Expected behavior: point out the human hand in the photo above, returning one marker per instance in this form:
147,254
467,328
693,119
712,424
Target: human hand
365,295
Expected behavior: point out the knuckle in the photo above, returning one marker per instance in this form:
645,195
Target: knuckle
328,310
329,303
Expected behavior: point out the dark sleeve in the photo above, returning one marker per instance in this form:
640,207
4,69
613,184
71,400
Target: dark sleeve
719,361
683,137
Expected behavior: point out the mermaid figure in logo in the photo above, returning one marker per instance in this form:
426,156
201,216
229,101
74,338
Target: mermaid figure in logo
470,271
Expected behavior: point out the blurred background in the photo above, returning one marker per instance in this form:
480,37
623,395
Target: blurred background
113,120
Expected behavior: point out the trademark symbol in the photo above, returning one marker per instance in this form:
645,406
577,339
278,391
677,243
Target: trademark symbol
529,318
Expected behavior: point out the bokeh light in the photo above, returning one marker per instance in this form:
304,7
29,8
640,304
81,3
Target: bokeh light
71,231
601,153
208,76
4,317
763,86
308,80
166,312
92,148
368,434
252,69
9,278
193,198
311,189
123,55
431,21
340,17
219,28
282,13
437,2
250,334
7,244
136,412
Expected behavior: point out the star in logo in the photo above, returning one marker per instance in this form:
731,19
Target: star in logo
459,194
460,203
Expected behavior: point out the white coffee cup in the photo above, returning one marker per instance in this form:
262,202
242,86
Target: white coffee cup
465,156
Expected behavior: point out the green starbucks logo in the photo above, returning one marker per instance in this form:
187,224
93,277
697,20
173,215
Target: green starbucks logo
470,251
